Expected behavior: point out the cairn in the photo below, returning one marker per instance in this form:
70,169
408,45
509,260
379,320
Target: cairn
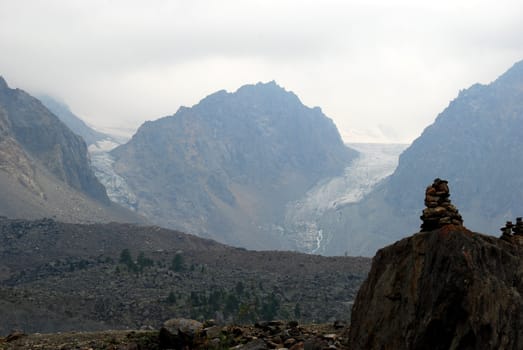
517,229
439,211
510,229
506,231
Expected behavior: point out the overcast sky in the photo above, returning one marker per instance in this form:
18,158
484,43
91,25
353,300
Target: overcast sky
382,70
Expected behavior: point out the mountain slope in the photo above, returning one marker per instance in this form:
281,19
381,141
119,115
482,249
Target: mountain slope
57,277
474,143
227,166
44,167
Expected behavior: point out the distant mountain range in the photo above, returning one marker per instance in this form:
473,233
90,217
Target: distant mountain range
226,167
475,144
250,168
44,167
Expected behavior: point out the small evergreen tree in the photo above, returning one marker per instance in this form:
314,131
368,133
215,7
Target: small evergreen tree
143,261
297,311
127,260
239,288
177,263
171,298
270,307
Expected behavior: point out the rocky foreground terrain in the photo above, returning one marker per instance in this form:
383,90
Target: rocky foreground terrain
263,335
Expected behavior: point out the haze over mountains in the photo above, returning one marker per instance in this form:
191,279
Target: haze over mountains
77,125
256,168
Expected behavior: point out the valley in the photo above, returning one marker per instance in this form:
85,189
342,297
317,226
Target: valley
373,164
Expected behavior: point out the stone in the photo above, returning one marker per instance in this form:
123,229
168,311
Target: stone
14,335
314,344
212,332
298,346
256,344
179,332
289,342
184,325
339,324
292,324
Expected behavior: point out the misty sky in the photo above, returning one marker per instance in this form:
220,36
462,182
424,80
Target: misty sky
382,70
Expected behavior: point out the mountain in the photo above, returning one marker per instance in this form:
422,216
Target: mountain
45,169
474,143
73,122
449,288
62,277
226,167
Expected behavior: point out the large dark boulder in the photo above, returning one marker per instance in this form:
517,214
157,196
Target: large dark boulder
445,289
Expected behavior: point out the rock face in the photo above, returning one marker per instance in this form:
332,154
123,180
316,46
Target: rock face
474,144
227,166
446,288
47,139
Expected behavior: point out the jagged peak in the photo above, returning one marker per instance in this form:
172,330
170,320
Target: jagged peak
261,86
3,83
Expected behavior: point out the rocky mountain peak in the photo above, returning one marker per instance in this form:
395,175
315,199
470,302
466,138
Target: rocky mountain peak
228,165
3,83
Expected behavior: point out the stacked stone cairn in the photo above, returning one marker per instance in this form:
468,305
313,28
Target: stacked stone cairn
511,229
439,211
